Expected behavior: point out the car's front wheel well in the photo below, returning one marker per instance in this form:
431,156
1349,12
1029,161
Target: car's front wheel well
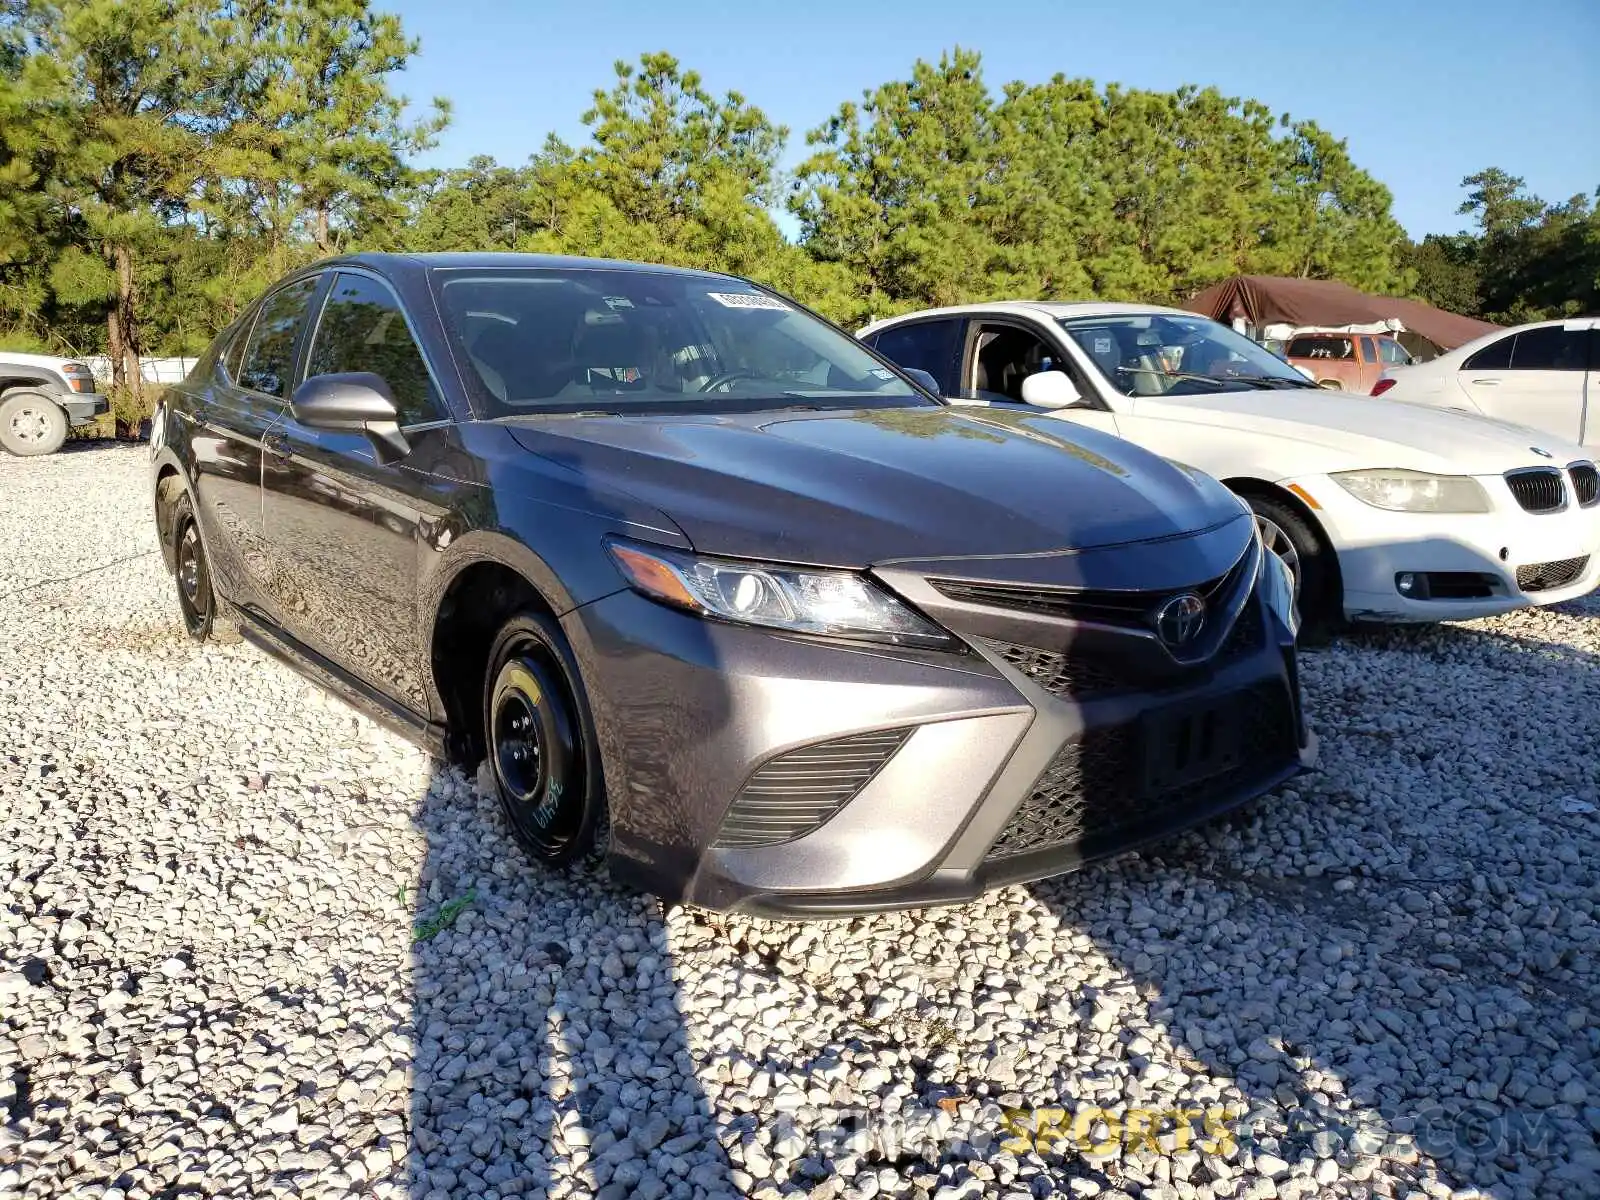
169,487
475,606
1248,488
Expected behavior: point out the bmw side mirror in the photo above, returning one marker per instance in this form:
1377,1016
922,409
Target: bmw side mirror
352,402
1050,389
922,379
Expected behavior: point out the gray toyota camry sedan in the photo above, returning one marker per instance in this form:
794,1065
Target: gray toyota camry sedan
722,596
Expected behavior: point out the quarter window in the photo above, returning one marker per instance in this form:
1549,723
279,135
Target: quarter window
1391,351
363,329
1496,356
269,360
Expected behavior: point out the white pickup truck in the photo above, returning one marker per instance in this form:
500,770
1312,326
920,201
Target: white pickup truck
41,397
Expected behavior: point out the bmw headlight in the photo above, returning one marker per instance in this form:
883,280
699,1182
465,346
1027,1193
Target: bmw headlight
835,603
1400,490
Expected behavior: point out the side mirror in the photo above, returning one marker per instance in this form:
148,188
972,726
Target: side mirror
353,402
923,378
1050,389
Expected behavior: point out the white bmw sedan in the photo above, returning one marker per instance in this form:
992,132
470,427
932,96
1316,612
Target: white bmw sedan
1385,511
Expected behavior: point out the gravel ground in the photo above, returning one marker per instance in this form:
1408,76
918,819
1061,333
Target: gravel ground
1379,982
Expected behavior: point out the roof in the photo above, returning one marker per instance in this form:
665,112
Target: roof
1271,299
1048,309
486,260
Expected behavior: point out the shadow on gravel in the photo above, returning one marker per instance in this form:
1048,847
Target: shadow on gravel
550,1054
1427,993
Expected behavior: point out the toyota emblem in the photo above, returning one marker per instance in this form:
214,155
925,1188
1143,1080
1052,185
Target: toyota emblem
1180,620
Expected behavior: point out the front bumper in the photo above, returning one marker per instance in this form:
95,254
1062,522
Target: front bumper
83,407
991,770
1376,546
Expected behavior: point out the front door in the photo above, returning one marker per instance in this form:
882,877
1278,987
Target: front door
1533,377
343,526
1000,355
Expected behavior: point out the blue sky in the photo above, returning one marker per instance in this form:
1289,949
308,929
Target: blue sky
1425,92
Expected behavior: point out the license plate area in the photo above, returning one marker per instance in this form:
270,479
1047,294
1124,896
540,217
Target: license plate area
1188,744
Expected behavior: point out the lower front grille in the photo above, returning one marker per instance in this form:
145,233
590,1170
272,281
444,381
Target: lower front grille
790,795
1542,577
1538,489
1116,781
1062,675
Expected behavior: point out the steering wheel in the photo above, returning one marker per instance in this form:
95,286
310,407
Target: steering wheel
727,377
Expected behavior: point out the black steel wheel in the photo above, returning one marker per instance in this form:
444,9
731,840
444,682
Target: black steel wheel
542,752
196,601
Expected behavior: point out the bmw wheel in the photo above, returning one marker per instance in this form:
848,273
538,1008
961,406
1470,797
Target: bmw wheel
1310,561
542,751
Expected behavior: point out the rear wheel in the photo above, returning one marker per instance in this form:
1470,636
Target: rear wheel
31,423
543,758
197,603
1290,536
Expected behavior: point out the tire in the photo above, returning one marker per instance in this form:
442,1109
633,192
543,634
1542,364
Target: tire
31,423
543,755
1312,562
197,603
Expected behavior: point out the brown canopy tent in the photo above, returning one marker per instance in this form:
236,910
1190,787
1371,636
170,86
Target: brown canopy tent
1264,300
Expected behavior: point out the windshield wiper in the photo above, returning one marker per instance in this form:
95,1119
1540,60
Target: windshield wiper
1264,381
1273,381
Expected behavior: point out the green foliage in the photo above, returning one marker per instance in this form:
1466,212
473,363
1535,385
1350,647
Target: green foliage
162,161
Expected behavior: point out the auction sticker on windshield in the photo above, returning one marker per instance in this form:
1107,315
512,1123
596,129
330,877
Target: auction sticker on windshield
748,300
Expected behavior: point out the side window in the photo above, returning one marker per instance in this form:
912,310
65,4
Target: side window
926,345
1005,356
1369,352
270,357
363,329
1322,347
1548,348
233,354
1391,351
1496,356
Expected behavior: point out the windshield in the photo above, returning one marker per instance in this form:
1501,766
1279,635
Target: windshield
1164,354
577,339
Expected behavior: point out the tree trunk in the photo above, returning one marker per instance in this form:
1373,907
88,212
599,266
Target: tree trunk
321,233
125,314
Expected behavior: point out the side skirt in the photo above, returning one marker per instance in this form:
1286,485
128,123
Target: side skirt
328,675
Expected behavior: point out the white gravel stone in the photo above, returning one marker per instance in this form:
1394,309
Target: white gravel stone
212,871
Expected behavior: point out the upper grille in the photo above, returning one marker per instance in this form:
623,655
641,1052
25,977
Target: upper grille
1538,489
1103,606
1585,483
790,795
1094,792
1541,577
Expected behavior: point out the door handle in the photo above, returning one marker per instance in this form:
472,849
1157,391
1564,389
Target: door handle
1487,382
275,445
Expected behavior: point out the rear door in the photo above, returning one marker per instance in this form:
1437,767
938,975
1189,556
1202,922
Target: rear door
342,526
1535,377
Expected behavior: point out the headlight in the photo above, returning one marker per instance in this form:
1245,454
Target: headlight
1414,491
837,603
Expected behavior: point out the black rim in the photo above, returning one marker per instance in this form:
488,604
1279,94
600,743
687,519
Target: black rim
194,592
538,759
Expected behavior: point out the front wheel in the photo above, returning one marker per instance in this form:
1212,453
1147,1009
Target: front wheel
31,423
1290,536
543,756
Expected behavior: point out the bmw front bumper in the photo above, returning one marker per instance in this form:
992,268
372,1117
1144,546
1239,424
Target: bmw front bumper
791,776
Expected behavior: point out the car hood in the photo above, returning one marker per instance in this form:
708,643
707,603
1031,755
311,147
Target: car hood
1338,431
860,487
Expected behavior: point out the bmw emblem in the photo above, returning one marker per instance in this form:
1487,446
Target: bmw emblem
1541,453
1179,621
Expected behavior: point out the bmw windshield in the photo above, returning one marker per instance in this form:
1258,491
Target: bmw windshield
586,339
1165,354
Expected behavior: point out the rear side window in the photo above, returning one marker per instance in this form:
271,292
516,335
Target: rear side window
363,329
925,345
1322,347
270,357
234,354
1548,348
